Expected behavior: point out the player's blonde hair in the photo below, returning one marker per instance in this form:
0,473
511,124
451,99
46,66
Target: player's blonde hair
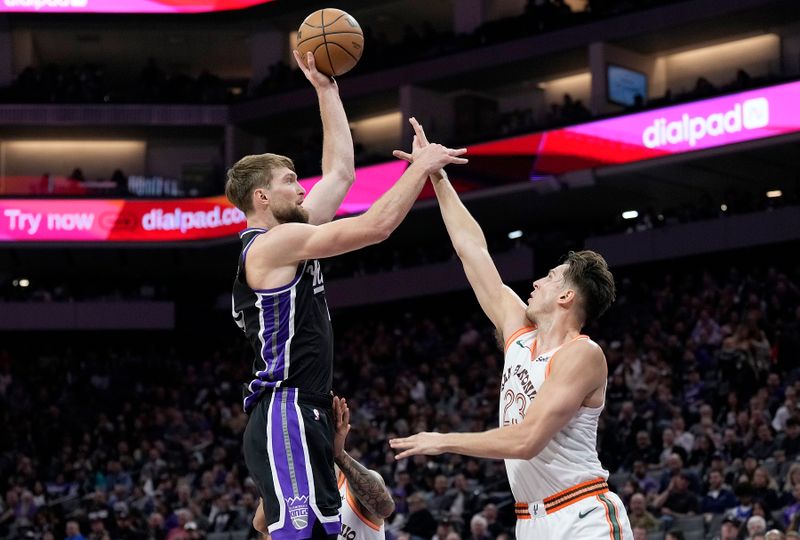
249,173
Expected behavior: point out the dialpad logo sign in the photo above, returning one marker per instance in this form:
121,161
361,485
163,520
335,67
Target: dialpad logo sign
750,114
298,511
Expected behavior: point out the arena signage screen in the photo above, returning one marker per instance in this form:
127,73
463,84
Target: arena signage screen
164,220
710,123
124,6
699,125
117,220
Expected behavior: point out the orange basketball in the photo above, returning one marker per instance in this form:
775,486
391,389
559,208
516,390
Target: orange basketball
335,39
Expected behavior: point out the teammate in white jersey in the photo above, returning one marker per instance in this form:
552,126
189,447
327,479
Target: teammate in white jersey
553,387
365,500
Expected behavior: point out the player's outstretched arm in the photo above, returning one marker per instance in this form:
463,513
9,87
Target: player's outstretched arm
367,486
558,400
338,168
290,243
502,305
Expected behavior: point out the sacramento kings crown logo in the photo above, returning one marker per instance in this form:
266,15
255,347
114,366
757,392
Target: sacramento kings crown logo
298,511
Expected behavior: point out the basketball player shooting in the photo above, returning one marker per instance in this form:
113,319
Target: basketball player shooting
552,388
366,502
279,302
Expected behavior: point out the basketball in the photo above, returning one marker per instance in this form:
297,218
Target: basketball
335,39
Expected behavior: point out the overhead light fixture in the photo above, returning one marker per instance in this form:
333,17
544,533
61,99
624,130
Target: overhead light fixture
774,194
723,207
513,235
24,282
630,214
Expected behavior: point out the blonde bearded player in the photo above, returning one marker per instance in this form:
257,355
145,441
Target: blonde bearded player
366,502
552,392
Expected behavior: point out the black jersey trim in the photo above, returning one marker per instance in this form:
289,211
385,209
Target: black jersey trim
247,230
247,247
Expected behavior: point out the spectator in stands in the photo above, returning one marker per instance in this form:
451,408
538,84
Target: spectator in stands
155,527
677,500
97,526
74,531
790,443
440,498
493,526
744,494
755,525
729,530
646,484
749,466
760,509
765,488
222,516
764,445
123,527
674,534
478,528
420,523
718,498
683,438
643,451
674,466
792,509
639,516
464,499
704,448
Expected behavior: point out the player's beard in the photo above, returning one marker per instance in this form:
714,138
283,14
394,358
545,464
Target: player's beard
291,214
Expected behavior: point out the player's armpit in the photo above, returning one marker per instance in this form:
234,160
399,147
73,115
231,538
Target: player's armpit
580,371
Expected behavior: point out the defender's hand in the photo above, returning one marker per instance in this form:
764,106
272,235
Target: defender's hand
341,416
419,143
425,443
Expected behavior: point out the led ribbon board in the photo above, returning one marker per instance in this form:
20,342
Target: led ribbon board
746,116
124,6
710,123
126,220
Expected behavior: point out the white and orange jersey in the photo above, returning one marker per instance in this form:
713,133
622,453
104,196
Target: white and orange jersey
355,525
570,458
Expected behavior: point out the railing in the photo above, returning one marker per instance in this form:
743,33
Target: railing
104,115
61,186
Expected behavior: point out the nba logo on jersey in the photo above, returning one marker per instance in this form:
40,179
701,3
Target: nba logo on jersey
298,511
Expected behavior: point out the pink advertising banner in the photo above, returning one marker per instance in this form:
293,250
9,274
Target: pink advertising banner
126,220
710,123
746,116
124,6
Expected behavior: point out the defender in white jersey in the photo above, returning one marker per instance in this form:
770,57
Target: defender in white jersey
553,387
365,500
